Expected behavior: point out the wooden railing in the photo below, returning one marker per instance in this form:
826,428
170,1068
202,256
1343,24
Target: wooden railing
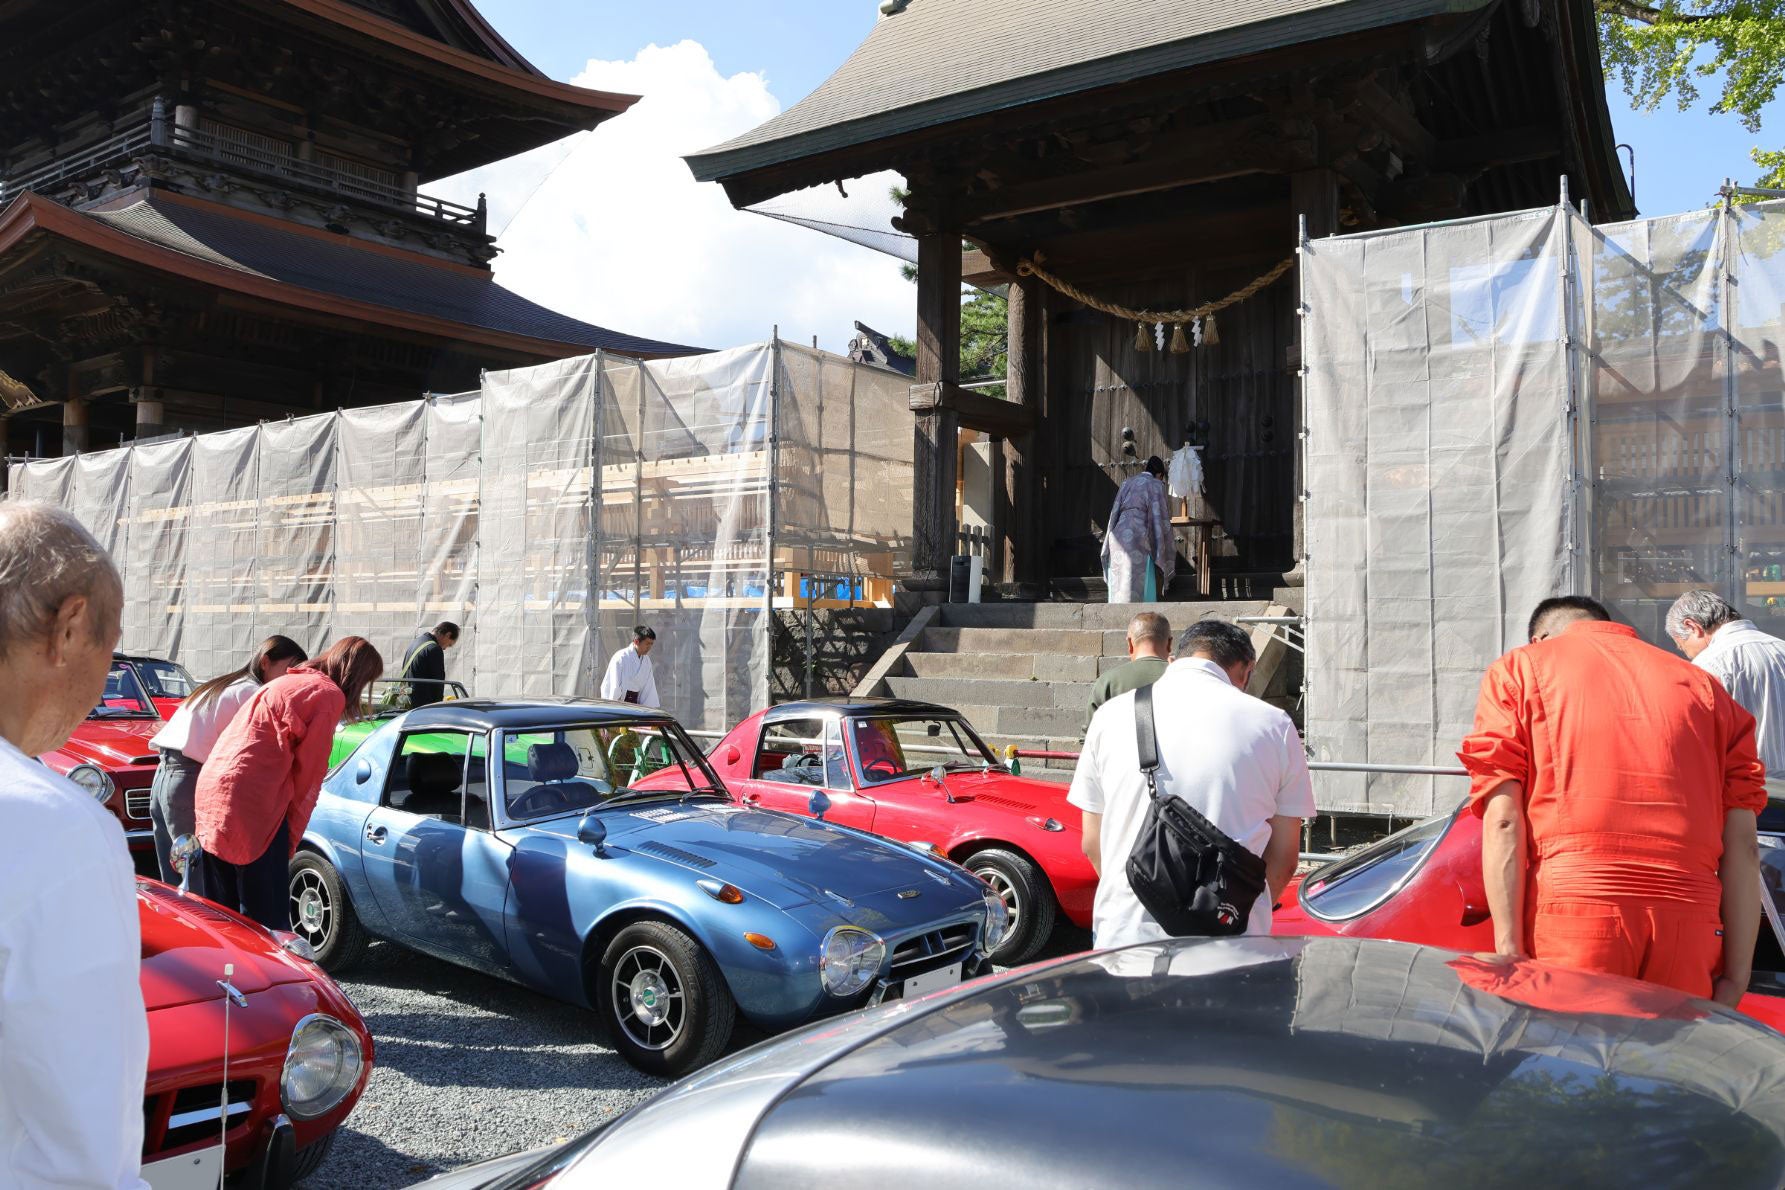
160,135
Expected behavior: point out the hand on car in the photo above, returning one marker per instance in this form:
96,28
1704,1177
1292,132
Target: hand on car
1728,992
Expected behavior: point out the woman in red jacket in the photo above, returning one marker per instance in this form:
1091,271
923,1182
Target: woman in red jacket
259,785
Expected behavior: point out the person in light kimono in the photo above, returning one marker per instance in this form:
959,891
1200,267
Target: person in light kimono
1139,555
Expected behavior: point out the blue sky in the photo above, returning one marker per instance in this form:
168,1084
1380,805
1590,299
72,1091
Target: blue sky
611,227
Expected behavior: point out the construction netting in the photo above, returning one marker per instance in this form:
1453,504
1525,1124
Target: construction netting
1507,408
548,514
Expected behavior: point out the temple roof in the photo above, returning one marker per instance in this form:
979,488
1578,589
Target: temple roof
321,273
941,61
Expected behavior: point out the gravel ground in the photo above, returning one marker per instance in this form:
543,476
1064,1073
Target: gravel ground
468,1068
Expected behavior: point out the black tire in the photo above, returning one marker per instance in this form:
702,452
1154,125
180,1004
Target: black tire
322,915
651,962
1026,894
310,1158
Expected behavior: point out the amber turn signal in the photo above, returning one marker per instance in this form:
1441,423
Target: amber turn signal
729,894
760,941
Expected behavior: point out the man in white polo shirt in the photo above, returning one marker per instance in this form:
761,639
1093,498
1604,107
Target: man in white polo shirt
1236,759
1750,664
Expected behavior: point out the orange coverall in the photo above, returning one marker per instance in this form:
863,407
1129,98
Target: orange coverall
1629,757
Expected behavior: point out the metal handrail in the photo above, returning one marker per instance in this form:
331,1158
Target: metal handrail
223,149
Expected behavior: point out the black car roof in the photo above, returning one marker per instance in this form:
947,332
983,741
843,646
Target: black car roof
116,656
1295,1062
856,706
483,714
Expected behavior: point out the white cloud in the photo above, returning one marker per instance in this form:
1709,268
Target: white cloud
610,227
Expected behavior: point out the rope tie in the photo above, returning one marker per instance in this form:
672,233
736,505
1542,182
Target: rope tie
1201,319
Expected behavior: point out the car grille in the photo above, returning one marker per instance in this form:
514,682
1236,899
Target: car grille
136,804
175,1119
938,948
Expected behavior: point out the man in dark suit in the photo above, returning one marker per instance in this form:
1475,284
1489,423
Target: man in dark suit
424,664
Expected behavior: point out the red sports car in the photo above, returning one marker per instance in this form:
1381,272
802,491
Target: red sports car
1423,884
109,755
919,773
298,1053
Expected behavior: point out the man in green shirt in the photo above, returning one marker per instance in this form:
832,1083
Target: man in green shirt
1149,650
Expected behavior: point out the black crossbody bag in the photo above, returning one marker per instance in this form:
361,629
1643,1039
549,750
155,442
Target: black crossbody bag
1187,873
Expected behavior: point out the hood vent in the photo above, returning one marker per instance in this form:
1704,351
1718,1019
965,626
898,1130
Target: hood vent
674,854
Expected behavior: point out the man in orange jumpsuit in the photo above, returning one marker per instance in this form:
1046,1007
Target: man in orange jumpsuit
1618,787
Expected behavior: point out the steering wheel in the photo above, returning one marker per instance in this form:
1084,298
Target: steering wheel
809,767
521,807
883,768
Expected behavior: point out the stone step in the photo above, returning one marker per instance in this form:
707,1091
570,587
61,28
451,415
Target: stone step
1007,693
1048,667
1075,642
1092,616
1046,728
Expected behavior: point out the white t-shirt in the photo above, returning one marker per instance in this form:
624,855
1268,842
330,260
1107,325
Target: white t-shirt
628,671
1751,665
194,733
1237,759
74,1039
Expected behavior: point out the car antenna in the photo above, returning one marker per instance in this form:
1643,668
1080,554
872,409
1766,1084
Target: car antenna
231,995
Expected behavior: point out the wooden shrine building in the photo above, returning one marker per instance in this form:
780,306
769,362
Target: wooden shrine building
1157,157
210,211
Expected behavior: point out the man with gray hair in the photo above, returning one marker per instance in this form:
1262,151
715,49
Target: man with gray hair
1149,649
1716,638
1238,760
74,1041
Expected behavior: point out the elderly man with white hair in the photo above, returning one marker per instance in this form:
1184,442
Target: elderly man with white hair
1750,663
74,1041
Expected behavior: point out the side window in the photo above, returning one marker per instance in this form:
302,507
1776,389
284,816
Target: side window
477,785
792,751
427,774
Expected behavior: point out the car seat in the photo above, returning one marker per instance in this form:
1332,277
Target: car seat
434,779
553,767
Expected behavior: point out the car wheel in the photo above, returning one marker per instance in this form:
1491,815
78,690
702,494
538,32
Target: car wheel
665,1004
321,914
310,1158
1026,896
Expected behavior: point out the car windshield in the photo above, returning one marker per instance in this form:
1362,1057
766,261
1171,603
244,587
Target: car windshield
123,697
552,771
390,696
888,747
164,679
1360,882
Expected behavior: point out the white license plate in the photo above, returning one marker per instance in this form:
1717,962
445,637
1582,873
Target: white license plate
188,1171
929,981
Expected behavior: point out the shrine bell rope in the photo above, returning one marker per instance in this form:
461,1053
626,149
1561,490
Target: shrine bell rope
1201,319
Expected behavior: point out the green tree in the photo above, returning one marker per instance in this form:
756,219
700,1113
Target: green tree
1679,49
985,337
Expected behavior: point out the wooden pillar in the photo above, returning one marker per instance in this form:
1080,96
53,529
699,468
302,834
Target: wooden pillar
74,425
151,416
1025,525
1314,195
938,432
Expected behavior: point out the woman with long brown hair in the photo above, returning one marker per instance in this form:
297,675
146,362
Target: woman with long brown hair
186,742
256,792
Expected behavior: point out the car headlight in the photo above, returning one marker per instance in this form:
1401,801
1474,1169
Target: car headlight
292,944
997,922
849,960
322,1065
93,779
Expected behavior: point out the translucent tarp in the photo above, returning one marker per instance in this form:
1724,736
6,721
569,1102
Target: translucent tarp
1503,409
547,514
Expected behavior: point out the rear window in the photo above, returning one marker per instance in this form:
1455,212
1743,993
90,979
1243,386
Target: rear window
1359,883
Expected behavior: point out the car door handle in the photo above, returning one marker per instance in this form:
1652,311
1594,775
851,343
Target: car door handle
750,799
375,834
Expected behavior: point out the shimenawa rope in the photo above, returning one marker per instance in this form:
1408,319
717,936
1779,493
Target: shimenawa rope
1200,317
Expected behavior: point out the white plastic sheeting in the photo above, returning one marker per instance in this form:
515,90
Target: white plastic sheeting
547,514
1507,408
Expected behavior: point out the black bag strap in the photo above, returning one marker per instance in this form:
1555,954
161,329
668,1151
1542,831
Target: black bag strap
1146,739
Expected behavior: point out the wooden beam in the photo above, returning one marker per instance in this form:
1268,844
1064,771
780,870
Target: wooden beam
1505,146
1256,144
1395,118
973,410
978,269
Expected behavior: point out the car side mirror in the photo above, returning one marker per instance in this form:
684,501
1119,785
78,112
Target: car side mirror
933,730
593,831
936,774
818,804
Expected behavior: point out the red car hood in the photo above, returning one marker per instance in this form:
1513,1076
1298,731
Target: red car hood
187,941
1019,795
113,742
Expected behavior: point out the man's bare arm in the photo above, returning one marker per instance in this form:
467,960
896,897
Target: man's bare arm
1092,842
1740,874
1503,866
1281,853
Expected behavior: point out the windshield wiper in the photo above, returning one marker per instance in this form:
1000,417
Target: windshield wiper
704,791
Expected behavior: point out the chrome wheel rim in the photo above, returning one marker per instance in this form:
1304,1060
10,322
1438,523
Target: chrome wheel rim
1001,884
312,913
648,998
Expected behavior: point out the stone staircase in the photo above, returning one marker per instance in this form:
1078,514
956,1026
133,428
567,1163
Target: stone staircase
1021,672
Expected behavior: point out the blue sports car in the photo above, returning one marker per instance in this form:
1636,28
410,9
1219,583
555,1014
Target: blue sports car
585,849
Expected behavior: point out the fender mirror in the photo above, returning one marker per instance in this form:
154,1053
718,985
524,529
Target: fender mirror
593,831
818,804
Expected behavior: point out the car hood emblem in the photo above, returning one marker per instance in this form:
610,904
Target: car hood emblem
907,894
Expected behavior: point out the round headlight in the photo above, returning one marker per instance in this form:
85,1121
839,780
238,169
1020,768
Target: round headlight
849,960
322,1065
93,779
997,922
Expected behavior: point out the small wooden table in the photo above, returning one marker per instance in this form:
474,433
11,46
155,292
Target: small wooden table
1204,528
